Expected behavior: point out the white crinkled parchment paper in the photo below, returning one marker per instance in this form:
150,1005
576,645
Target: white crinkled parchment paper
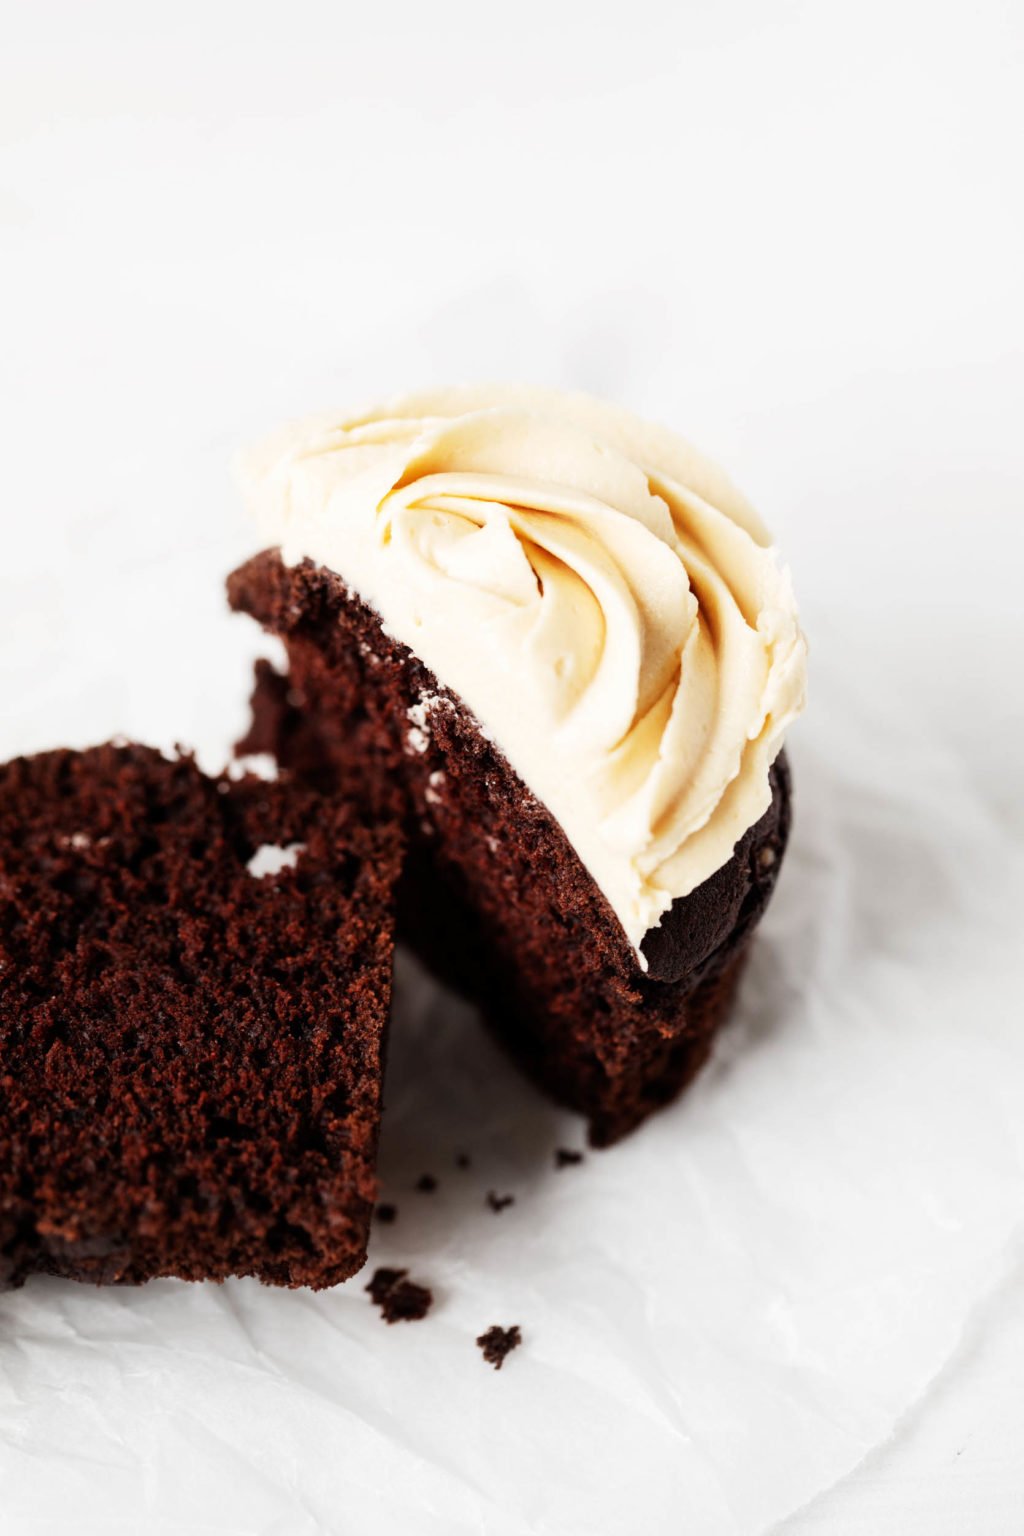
726,1314
720,1316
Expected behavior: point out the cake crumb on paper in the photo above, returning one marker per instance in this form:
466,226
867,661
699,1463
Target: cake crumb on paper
498,1342
400,1299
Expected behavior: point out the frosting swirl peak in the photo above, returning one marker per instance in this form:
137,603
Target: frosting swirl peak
596,592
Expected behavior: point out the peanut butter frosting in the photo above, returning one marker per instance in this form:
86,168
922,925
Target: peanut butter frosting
596,592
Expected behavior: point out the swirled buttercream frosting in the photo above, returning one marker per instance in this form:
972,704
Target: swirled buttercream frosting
597,594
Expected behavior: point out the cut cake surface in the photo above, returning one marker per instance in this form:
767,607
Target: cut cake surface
190,1051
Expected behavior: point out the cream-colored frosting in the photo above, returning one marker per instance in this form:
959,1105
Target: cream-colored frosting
596,592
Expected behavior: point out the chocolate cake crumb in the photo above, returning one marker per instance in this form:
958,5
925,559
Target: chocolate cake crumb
387,1213
499,1202
566,1158
190,1058
400,1300
497,1342
462,1160
426,1184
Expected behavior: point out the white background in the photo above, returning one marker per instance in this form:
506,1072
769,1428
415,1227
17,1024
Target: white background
795,231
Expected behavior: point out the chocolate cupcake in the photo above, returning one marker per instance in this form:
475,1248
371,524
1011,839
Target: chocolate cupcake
555,642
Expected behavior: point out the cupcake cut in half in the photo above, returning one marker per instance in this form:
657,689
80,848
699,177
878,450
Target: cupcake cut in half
194,987
556,643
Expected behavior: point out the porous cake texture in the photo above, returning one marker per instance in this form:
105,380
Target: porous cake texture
194,991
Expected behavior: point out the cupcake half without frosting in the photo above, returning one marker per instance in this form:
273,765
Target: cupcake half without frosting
557,642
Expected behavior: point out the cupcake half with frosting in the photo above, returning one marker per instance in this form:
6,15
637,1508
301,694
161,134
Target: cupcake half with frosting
556,643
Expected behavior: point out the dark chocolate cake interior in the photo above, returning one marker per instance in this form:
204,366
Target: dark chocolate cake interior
190,1051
